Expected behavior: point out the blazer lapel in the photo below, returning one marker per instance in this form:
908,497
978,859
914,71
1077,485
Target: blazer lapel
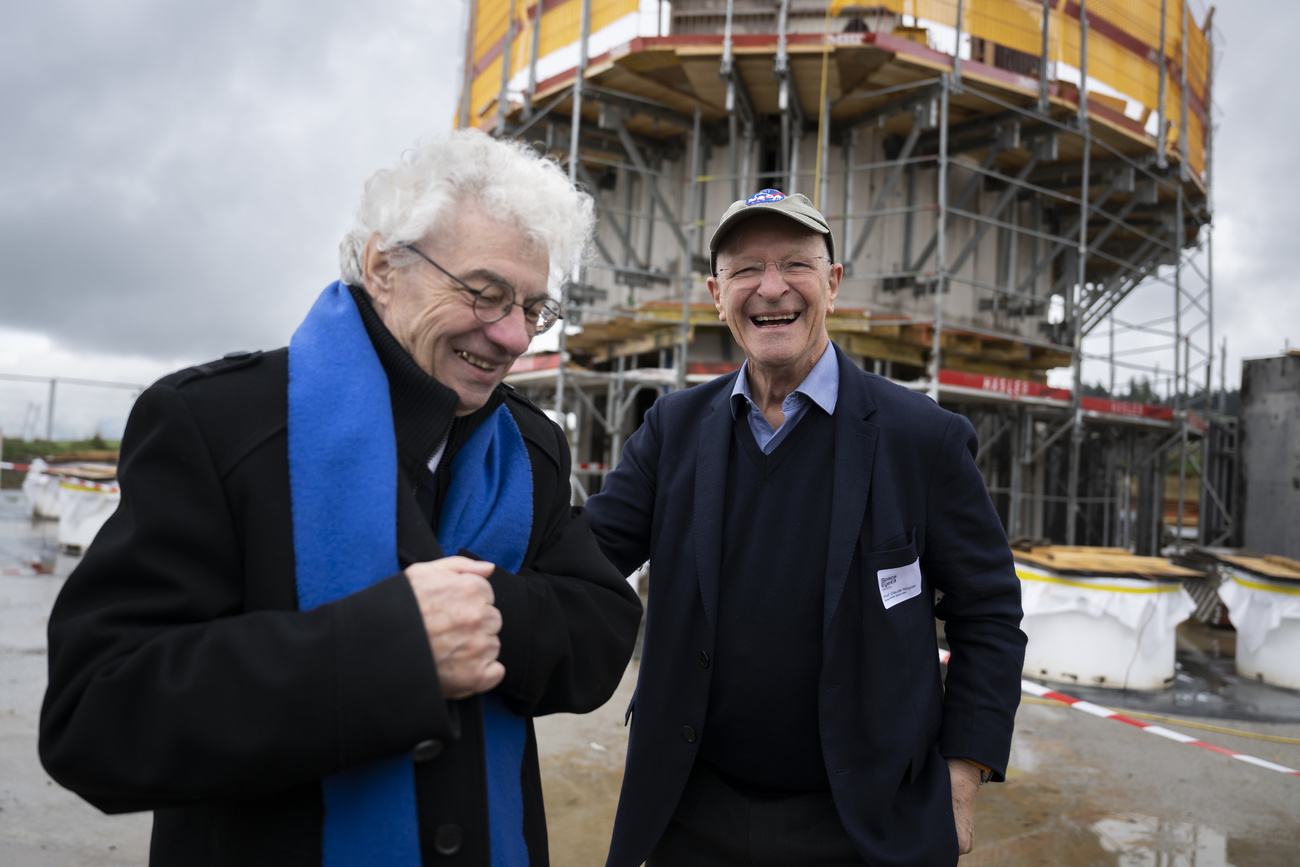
710,490
855,449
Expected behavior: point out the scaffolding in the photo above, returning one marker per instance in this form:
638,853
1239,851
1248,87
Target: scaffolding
1007,179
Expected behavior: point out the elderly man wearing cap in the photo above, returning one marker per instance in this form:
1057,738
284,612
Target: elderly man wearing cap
801,516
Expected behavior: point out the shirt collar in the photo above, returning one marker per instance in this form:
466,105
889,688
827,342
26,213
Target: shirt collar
821,385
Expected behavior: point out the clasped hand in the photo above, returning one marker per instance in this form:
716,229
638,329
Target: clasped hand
463,624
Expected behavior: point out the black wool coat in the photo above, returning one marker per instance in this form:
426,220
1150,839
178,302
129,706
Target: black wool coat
184,679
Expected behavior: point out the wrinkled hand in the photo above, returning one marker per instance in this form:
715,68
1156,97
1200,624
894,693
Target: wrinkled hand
965,787
456,602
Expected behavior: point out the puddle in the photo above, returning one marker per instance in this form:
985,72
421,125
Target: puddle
1139,841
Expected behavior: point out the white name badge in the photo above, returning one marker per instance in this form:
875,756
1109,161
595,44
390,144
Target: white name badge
900,584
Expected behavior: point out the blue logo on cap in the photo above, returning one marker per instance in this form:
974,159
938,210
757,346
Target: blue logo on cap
764,196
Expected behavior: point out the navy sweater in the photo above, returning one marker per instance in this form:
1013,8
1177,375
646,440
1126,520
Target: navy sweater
761,728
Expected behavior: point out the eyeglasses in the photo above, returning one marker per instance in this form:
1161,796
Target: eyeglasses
494,301
748,273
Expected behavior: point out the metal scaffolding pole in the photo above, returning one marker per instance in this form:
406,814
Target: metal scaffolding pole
687,276
49,410
1161,109
850,145
781,70
733,130
534,41
503,99
584,33
1044,105
1184,171
1180,372
1076,392
941,271
956,50
467,77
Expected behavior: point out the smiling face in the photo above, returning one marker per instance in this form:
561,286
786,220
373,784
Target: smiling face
778,319
432,316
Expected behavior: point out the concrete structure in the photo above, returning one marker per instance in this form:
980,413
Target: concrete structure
1000,175
1269,425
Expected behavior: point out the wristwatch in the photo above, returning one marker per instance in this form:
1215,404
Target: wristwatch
986,774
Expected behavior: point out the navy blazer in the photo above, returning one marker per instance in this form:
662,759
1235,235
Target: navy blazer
905,488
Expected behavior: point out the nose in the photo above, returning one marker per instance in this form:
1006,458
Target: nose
510,333
773,284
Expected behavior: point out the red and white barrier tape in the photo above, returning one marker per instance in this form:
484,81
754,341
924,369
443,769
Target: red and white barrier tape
1106,713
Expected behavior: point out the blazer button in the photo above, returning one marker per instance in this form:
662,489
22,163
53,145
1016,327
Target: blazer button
704,659
426,750
447,839
689,734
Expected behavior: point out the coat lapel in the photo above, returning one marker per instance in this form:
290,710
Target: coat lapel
855,449
710,490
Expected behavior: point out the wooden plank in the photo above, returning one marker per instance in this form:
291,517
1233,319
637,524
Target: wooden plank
1126,564
875,347
1270,565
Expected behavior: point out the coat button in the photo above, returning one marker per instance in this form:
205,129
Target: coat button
689,734
704,659
426,750
447,839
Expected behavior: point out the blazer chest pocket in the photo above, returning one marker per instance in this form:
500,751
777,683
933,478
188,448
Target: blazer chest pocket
893,574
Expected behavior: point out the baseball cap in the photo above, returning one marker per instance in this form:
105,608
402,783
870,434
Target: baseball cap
796,207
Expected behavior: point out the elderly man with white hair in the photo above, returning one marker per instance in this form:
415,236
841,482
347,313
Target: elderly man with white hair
345,575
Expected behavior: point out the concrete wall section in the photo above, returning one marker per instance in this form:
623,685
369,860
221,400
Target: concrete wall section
1270,454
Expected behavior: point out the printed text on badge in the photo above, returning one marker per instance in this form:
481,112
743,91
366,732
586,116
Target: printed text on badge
900,584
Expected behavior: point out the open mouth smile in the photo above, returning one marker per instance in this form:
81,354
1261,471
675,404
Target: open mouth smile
475,360
774,320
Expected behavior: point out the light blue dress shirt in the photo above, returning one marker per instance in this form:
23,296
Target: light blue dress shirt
821,386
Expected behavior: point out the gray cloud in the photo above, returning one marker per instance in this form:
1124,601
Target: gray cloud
176,176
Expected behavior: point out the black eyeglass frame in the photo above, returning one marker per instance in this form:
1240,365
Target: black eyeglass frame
532,312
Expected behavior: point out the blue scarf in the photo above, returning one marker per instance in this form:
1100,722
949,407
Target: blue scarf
343,483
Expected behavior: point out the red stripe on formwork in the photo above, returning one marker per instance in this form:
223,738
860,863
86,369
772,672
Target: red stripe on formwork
1151,53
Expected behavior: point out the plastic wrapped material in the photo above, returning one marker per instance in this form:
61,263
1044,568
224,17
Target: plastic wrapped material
83,509
42,490
1103,631
1266,615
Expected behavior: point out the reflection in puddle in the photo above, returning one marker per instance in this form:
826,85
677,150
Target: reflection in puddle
1143,841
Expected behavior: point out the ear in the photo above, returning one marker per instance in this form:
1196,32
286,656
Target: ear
715,290
837,274
378,272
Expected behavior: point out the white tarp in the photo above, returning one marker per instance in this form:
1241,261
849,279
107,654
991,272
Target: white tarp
1257,606
42,490
1149,609
82,511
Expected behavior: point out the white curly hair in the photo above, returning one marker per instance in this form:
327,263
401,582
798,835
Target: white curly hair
423,192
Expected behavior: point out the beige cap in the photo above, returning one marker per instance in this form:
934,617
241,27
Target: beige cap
796,207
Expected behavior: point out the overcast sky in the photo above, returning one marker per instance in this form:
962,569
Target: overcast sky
174,178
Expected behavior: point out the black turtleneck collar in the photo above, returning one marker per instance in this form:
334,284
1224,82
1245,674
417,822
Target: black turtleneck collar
423,408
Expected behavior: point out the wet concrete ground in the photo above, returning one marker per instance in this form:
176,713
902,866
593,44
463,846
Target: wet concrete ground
1080,790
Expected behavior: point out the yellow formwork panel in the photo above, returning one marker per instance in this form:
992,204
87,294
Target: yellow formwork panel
491,19
1017,24
1122,43
484,91
561,25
